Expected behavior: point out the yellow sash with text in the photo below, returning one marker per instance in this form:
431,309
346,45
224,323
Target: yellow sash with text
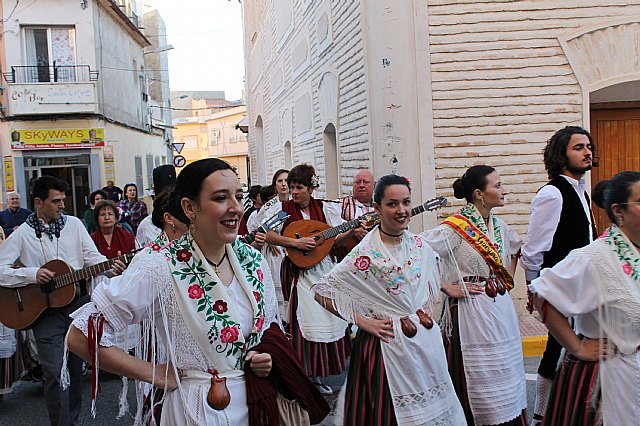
479,241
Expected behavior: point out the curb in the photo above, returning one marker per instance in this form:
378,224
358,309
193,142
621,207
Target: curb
534,345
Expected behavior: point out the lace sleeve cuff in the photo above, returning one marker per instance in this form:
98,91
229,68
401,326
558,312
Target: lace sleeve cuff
81,322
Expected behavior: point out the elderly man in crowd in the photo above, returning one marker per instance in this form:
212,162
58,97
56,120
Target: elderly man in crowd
14,215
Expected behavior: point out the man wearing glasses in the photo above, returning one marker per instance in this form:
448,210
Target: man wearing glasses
561,220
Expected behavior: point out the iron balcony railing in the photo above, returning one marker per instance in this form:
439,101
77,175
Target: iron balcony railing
50,74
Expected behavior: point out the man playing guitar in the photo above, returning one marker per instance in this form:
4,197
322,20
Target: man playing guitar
49,234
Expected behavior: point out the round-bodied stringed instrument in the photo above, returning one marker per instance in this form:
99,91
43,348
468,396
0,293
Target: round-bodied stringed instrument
21,307
325,235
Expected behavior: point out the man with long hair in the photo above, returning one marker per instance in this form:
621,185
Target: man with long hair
561,220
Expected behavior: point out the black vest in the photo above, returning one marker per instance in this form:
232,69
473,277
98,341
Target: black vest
573,228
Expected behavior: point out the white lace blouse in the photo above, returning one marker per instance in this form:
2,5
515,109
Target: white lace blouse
145,292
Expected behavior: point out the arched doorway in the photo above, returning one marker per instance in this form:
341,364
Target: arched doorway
332,186
615,126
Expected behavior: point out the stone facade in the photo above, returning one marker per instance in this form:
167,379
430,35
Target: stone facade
427,89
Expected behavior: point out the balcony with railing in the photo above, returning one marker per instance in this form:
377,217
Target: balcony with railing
57,89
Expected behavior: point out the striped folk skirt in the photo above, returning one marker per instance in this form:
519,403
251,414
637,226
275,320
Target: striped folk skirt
367,398
453,349
11,368
318,359
572,402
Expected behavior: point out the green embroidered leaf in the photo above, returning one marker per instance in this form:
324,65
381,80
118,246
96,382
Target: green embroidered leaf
201,308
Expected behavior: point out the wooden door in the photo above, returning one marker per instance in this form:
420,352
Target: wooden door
617,135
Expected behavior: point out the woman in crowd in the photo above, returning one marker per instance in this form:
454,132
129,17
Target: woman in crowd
11,364
110,238
388,286
319,338
599,286
162,217
279,182
481,329
209,297
94,198
132,209
271,252
267,192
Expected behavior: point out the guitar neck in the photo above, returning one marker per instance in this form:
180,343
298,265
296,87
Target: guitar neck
337,230
82,274
418,210
251,236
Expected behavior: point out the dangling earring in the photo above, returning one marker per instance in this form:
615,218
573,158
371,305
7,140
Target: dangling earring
173,226
621,222
483,204
192,225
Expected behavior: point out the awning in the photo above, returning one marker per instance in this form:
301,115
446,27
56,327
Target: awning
243,125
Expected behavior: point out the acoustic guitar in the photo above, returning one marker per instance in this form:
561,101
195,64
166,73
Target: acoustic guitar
22,307
325,236
271,223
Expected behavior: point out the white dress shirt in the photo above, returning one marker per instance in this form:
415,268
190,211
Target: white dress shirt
75,247
147,232
546,208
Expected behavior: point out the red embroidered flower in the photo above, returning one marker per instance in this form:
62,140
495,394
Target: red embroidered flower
260,274
183,255
256,294
626,268
195,291
407,180
362,263
156,247
418,240
229,334
220,306
260,323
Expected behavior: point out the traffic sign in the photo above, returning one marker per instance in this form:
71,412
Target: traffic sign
178,147
179,161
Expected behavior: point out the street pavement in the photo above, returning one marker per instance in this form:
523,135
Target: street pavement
26,405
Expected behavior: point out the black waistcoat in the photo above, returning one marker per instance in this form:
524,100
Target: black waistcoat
573,228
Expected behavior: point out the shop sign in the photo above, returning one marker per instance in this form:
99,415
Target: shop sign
57,138
8,173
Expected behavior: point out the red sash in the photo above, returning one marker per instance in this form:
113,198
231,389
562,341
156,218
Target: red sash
479,241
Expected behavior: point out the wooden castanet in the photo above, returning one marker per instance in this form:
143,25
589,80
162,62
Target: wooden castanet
21,307
313,229
218,396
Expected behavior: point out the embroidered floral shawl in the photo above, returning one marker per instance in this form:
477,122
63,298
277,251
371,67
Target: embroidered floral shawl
371,281
202,299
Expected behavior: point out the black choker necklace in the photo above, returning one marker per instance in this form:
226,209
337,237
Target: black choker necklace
216,267
390,235
636,245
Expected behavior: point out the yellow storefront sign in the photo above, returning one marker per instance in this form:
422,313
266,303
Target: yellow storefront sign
57,138
8,173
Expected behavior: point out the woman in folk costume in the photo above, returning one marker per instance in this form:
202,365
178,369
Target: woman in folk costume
480,325
319,338
210,299
388,286
11,363
273,253
599,286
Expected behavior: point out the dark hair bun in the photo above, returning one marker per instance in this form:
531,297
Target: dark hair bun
458,189
599,192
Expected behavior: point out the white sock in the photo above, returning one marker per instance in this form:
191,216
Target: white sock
543,389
